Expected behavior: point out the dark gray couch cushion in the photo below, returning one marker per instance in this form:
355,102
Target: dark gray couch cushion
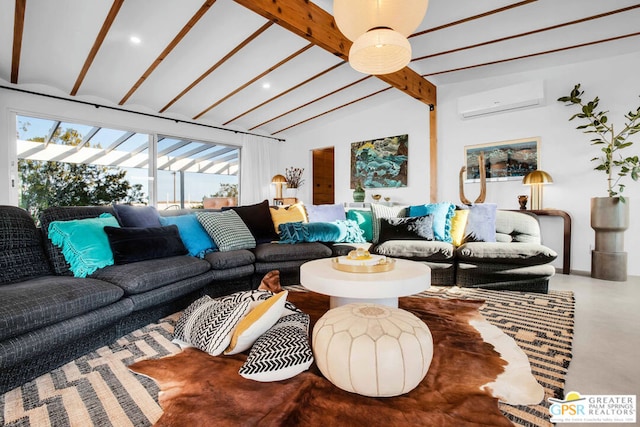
270,252
230,259
163,295
417,250
144,276
21,252
481,274
42,301
67,333
66,213
505,253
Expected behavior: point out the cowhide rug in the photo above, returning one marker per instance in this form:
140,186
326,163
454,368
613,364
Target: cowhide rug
465,380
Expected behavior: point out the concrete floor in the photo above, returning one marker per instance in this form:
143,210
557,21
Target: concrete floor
606,343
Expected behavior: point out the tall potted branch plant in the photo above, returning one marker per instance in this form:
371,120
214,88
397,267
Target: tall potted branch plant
609,215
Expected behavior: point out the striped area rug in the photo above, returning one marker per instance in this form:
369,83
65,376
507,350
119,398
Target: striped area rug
98,389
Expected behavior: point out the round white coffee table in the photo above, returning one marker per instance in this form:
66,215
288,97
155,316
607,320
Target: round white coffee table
407,278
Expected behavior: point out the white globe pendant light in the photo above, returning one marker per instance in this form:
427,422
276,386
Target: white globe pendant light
380,51
356,17
379,30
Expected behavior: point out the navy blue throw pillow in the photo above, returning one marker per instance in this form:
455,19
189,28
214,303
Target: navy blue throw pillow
137,216
139,244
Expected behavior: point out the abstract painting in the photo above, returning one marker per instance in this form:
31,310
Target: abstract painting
505,160
380,163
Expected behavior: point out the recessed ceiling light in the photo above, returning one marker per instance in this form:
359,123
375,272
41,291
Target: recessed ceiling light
135,39
266,85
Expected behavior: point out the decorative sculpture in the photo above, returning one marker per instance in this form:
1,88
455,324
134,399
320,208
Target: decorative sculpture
483,182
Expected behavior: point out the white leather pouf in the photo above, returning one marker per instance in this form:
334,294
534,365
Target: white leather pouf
372,350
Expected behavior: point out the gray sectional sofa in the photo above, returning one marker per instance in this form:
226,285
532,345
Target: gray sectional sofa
516,261
49,317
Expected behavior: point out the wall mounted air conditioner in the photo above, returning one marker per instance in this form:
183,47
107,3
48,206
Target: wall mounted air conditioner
508,98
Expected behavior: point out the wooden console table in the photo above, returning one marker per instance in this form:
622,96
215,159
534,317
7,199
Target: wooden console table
566,260
283,201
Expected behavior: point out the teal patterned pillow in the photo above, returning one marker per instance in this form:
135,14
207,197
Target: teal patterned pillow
227,230
341,231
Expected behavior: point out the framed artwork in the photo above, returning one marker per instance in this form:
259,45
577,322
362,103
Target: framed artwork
505,160
380,163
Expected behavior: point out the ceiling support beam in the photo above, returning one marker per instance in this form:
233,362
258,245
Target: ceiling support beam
18,29
102,34
167,50
308,20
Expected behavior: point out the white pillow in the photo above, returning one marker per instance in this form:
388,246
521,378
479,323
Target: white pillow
263,316
282,352
208,324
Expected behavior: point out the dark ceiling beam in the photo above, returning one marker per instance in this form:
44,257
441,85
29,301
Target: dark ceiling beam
306,104
176,40
529,33
235,50
532,55
472,18
102,34
291,89
18,29
253,80
333,109
308,20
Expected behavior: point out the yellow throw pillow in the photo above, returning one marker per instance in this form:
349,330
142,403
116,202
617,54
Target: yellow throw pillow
458,224
257,322
292,213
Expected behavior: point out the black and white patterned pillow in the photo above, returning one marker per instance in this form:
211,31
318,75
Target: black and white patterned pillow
208,324
227,230
255,296
282,352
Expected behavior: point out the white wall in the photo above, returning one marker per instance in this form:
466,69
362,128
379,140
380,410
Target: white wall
565,152
393,113
39,106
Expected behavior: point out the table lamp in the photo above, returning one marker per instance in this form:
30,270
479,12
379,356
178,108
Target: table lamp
278,180
536,180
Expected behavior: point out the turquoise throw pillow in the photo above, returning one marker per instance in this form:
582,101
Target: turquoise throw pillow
192,233
344,231
364,220
296,232
441,213
350,232
84,242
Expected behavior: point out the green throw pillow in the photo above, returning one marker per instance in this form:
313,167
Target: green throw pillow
363,219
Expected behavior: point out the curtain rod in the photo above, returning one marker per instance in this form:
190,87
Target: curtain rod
155,116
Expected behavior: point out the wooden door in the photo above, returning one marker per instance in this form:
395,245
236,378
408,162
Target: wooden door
323,179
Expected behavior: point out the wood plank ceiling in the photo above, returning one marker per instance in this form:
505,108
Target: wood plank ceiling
276,66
